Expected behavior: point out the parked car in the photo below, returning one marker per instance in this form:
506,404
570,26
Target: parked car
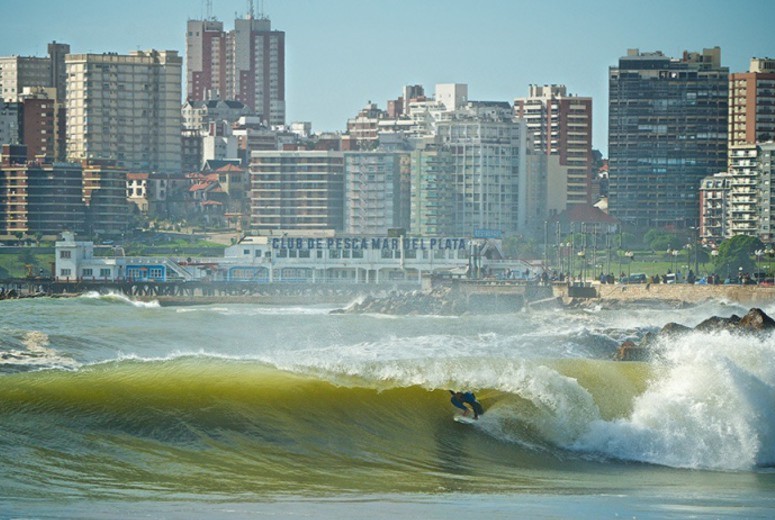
637,278
673,278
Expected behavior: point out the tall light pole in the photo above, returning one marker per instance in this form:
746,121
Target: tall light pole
675,259
758,253
630,255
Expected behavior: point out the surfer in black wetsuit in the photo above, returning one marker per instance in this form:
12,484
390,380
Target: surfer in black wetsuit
461,399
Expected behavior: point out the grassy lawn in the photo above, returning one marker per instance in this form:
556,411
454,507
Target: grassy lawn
12,265
642,262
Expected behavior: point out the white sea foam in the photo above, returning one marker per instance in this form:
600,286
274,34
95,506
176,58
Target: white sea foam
36,353
116,297
710,406
257,310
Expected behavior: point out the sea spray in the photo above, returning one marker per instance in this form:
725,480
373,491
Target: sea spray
709,405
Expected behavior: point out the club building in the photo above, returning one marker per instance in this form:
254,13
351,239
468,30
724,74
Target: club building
324,258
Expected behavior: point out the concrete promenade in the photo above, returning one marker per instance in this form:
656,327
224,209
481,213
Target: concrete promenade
743,294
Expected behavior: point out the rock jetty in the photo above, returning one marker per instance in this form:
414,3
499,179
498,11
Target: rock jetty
438,301
754,322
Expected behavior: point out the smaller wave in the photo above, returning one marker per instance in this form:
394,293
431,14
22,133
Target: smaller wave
36,354
256,310
114,297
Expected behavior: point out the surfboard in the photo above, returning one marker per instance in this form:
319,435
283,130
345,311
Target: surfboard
463,419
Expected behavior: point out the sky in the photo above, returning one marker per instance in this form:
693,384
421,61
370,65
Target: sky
341,54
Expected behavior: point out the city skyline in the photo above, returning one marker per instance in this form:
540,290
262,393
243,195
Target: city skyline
334,68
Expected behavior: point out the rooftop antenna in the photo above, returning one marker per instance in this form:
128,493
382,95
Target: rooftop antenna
209,9
250,10
261,14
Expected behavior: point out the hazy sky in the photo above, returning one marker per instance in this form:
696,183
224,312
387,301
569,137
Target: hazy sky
340,54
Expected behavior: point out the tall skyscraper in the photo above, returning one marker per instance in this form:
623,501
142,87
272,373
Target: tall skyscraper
667,131
205,59
57,53
752,104
125,110
561,124
246,64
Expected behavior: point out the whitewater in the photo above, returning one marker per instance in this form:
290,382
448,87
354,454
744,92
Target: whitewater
111,407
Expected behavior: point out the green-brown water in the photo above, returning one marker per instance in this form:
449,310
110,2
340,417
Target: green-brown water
110,409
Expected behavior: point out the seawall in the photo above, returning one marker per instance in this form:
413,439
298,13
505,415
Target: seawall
744,294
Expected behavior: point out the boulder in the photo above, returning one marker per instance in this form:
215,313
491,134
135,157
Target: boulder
755,321
674,329
715,324
629,351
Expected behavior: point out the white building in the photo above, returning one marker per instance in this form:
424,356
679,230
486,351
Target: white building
125,109
283,258
742,208
489,150
376,193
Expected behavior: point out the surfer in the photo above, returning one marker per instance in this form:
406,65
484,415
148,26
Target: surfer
461,399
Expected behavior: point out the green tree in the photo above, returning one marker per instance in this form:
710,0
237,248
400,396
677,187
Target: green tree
660,240
520,247
735,253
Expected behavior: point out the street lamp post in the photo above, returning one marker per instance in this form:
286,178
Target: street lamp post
630,255
582,267
688,256
758,253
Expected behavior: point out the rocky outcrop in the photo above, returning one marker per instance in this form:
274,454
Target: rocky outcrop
438,301
756,321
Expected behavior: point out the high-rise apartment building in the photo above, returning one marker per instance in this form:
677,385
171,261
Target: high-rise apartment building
561,124
18,72
300,190
57,53
667,131
374,196
742,205
714,196
42,124
766,192
41,198
431,194
752,104
488,148
246,64
205,59
11,114
124,110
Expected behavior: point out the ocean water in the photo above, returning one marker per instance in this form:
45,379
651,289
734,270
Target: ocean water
111,408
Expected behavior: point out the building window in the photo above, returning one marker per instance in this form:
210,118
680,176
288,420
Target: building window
64,272
87,272
64,254
104,273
